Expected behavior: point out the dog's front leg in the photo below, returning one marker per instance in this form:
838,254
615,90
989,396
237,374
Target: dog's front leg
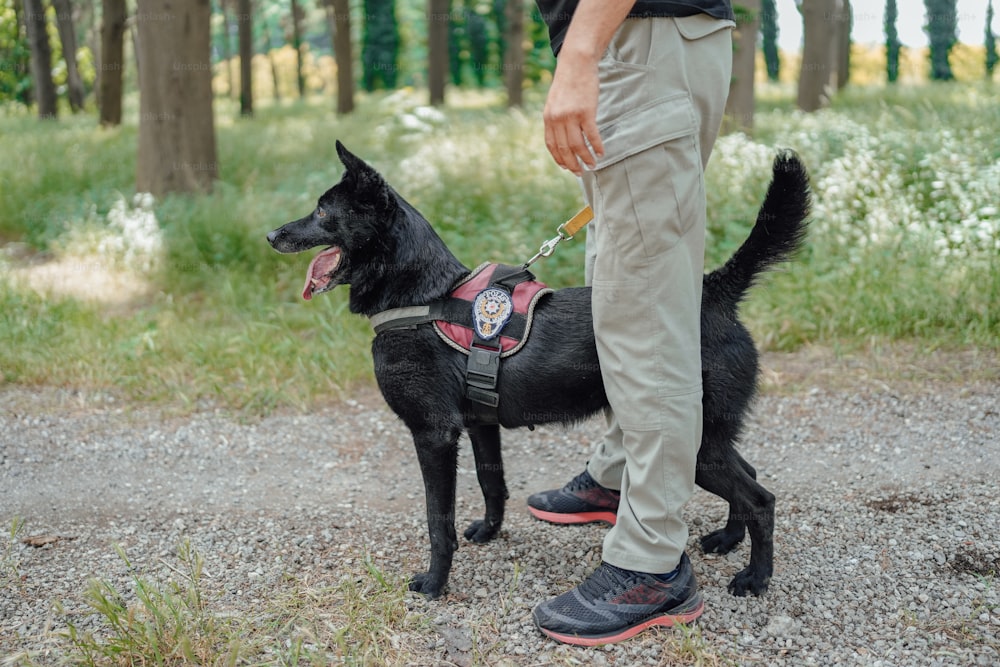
489,470
438,457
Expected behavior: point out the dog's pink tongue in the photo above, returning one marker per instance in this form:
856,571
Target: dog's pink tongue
317,275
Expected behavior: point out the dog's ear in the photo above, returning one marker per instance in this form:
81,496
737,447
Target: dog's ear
350,161
369,186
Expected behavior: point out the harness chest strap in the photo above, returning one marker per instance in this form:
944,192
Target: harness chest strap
485,348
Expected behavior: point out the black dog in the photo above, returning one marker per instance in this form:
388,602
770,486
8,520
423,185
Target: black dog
391,257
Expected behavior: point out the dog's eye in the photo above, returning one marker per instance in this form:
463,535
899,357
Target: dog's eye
320,213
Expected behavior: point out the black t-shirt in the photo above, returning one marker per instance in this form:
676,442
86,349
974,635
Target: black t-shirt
558,13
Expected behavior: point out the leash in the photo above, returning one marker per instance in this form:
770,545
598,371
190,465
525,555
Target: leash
567,231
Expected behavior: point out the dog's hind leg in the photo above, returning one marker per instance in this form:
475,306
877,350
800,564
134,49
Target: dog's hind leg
437,453
489,470
722,471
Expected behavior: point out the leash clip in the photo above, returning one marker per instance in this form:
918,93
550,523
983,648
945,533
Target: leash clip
567,231
546,250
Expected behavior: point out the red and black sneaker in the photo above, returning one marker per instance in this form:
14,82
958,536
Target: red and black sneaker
583,500
614,604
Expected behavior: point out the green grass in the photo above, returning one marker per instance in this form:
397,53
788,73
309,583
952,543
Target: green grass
904,243
363,619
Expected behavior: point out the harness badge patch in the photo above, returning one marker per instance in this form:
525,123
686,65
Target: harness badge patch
490,312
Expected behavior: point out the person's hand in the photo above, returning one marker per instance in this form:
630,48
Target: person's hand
570,114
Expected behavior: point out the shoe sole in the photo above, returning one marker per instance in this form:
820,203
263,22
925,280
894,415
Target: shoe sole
605,516
696,607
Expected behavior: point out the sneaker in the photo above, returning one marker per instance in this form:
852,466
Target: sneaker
614,604
583,500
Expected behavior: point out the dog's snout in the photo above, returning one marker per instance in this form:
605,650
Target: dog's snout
273,236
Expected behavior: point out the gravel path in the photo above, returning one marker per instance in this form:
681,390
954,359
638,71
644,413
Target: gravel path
887,537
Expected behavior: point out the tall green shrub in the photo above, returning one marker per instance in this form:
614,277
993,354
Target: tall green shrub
380,45
991,42
942,32
892,44
769,33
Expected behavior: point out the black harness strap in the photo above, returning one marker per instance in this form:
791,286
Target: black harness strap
482,371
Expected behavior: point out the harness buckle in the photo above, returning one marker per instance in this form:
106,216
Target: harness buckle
481,373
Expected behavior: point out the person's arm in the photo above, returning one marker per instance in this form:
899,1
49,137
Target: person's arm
570,112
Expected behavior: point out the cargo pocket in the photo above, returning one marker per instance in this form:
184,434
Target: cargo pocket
652,199
645,126
700,25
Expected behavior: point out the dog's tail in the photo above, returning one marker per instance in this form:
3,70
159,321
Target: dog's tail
778,232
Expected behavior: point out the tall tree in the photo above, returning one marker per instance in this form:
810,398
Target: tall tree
227,45
477,32
991,43
41,58
458,42
272,59
892,43
67,36
769,35
942,33
15,53
297,14
740,104
244,11
176,126
817,70
338,15
380,45
843,22
513,51
112,67
438,20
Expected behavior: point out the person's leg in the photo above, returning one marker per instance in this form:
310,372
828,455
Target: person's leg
702,65
647,276
649,201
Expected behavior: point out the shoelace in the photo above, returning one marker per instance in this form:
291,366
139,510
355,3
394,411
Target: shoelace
581,482
608,579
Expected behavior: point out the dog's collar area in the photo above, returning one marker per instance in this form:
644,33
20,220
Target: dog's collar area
400,318
456,308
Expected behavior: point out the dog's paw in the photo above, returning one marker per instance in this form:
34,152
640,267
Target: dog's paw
748,582
480,531
721,541
423,583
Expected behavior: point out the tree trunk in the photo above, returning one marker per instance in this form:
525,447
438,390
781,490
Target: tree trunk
300,79
227,45
740,104
817,54
338,15
438,21
176,125
275,79
112,62
245,25
513,52
67,35
41,59
845,22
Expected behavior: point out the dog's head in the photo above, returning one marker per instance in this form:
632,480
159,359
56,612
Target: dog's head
349,219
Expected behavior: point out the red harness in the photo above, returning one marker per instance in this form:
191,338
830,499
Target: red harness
460,334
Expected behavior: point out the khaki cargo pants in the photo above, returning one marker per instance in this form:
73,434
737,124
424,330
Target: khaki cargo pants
664,84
